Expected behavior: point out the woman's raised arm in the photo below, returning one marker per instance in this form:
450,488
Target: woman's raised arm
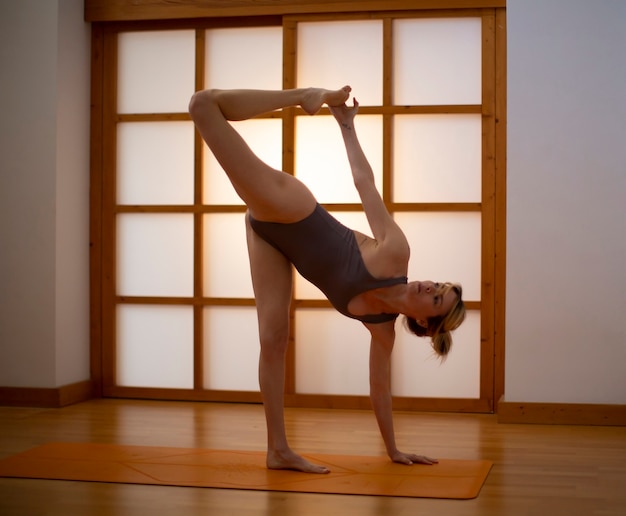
382,224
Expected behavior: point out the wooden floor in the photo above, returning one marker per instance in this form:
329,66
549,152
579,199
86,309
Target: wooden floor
538,470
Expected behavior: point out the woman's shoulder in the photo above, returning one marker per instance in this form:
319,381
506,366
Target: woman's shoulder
384,260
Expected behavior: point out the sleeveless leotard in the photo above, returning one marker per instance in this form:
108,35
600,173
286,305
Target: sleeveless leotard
326,253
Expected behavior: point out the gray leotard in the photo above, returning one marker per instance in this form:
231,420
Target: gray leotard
326,253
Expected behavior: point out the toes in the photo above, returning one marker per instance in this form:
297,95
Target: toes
312,468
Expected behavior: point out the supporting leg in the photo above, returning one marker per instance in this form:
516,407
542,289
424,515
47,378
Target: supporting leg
272,281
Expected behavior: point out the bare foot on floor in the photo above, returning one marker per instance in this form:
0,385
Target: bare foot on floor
316,97
290,460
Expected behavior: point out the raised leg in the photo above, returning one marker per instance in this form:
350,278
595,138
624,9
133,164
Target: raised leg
272,281
269,194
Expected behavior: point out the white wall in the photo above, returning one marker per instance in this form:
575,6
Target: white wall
44,189
566,228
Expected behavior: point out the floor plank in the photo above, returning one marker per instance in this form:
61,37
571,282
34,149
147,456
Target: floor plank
551,470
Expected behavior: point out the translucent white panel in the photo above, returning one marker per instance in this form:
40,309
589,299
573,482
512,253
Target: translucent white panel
417,372
332,54
155,346
154,254
257,52
437,61
437,158
354,220
156,71
226,265
332,353
321,160
445,247
155,163
231,348
264,137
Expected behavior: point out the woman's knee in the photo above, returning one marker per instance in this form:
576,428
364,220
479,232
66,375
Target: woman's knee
274,340
196,102
200,103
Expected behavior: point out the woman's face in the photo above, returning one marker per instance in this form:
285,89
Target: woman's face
431,299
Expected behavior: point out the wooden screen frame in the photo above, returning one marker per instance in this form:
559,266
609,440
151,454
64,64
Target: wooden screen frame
104,210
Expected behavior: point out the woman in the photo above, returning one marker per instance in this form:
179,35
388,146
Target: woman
286,225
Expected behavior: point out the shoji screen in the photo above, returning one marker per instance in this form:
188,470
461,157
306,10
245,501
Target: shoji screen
435,159
180,238
154,247
178,310
235,58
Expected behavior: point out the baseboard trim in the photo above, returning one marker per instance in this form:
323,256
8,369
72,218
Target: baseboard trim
561,413
46,398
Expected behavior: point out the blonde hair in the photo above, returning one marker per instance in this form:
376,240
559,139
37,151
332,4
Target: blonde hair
439,327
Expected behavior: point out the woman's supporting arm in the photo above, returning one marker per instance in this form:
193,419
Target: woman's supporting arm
383,336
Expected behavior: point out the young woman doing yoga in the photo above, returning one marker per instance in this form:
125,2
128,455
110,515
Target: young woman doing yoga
364,278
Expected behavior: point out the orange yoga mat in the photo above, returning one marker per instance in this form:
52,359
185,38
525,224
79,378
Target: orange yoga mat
227,469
